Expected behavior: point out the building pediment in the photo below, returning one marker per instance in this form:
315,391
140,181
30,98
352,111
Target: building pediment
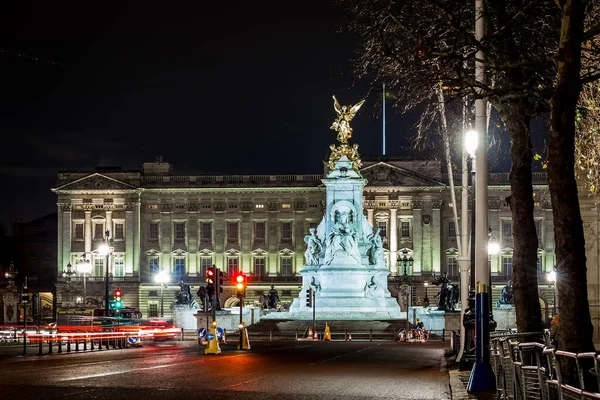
286,252
152,253
259,252
96,181
384,174
206,251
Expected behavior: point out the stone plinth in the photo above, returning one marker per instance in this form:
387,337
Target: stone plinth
229,318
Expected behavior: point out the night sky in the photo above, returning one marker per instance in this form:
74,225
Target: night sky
230,87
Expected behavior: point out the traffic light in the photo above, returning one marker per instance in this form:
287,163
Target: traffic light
118,304
221,279
240,285
309,297
210,275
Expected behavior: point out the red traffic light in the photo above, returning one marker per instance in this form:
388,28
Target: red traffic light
118,293
210,272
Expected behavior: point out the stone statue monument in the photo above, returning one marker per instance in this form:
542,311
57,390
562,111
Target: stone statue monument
344,255
314,248
506,296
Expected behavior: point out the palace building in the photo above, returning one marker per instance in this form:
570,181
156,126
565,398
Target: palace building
182,224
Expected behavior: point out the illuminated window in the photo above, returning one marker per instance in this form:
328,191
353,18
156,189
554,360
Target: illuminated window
286,266
153,207
78,231
179,230
260,268
452,266
119,231
153,310
153,234
507,264
232,266
232,231
451,230
179,268
153,267
259,206
206,232
119,266
99,266
286,231
259,231
286,205
205,263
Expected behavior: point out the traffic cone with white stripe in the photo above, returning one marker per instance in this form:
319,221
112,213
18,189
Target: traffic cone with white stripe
310,333
349,337
316,337
223,340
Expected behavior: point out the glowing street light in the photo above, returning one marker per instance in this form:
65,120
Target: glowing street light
106,250
163,278
84,267
552,278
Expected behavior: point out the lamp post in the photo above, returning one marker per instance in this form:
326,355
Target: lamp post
162,277
106,250
11,274
426,299
552,278
405,261
84,267
68,274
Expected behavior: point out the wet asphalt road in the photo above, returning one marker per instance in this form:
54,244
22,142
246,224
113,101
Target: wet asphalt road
271,370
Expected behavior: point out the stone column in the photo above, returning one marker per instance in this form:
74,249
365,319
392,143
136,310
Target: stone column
129,237
417,238
88,228
166,243
64,250
370,206
192,238
137,235
109,224
436,235
393,236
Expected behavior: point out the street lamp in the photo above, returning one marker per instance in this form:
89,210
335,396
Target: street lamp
84,267
106,250
11,274
552,278
163,278
426,299
405,261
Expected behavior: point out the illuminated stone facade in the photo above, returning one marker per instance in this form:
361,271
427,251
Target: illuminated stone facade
257,223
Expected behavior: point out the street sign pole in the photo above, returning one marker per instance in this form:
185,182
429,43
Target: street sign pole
24,301
314,297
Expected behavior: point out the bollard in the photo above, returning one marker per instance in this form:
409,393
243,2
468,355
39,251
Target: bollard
85,343
114,342
60,345
370,335
92,343
107,343
120,344
77,344
50,346
100,343
68,344
296,334
40,352
182,334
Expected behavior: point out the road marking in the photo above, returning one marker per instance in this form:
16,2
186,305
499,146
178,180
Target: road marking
238,384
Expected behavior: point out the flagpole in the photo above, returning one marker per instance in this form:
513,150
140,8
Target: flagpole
383,118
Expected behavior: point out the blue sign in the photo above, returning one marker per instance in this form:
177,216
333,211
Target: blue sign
201,333
211,336
133,340
219,332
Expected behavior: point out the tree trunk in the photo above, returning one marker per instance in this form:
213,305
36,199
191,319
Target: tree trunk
524,278
575,326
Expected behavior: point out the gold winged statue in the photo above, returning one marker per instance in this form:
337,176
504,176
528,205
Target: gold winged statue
342,123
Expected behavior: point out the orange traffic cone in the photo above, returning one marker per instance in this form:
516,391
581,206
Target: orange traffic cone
316,337
349,337
223,340
310,333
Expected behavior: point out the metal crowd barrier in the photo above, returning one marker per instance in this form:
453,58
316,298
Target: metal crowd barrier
532,370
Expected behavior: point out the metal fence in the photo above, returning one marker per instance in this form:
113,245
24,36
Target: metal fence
528,370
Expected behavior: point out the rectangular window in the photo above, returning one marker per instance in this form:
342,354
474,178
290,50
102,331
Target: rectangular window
153,266
286,205
232,266
452,267
78,231
507,228
286,266
205,263
405,229
153,231
206,232
539,265
232,231
119,231
152,310
382,225
98,231
507,263
179,230
119,266
451,230
179,270
99,266
538,227
259,206
260,268
286,231
259,231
